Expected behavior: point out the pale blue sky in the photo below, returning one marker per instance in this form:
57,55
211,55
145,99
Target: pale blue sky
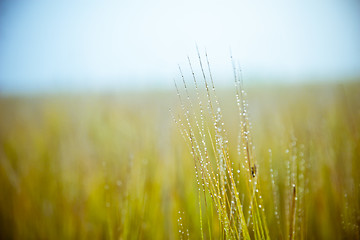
46,45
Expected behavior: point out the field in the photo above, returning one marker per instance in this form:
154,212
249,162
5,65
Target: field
116,166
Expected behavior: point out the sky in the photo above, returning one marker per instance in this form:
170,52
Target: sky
52,45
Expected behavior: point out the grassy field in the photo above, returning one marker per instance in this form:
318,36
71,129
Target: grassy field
116,166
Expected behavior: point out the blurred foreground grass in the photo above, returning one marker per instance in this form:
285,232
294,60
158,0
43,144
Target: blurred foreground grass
115,166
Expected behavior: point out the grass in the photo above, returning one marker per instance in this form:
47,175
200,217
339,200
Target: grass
117,167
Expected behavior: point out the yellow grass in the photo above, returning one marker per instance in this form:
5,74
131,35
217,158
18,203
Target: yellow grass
117,167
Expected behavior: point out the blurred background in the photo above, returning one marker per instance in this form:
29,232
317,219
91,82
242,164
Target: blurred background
89,150
101,45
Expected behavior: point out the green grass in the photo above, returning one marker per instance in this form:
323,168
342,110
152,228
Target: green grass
117,166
